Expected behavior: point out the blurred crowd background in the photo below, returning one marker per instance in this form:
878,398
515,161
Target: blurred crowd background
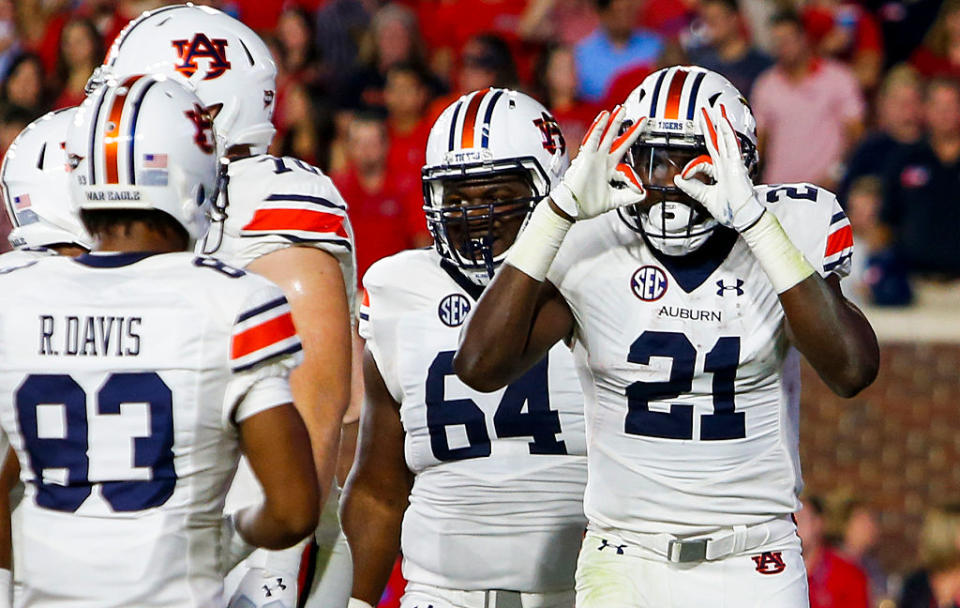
861,97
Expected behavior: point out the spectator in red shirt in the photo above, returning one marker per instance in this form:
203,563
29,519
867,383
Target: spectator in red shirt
557,84
297,44
386,213
847,32
81,51
939,55
486,62
406,95
834,582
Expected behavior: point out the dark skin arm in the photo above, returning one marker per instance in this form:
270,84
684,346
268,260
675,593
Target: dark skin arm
277,446
378,489
832,333
517,320
8,479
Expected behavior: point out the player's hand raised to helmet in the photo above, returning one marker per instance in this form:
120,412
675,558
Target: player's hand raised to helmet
597,181
730,199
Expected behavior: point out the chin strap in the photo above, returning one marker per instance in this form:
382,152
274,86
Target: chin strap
218,215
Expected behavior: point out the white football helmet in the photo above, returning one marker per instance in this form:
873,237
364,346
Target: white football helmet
36,189
670,99
227,64
144,143
488,133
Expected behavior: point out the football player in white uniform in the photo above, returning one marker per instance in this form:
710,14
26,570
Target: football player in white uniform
688,291
138,373
33,182
281,218
488,486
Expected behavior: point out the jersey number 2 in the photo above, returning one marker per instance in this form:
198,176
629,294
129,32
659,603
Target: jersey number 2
539,421
63,446
724,423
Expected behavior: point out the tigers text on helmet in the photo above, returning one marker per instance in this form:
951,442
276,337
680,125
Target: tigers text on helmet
36,187
144,143
227,64
485,135
671,98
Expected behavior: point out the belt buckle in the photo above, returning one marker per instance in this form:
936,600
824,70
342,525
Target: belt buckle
500,598
682,551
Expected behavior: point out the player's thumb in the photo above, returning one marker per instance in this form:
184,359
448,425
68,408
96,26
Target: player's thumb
693,187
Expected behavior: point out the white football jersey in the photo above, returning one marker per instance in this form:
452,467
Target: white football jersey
274,203
497,498
279,202
126,376
11,259
691,385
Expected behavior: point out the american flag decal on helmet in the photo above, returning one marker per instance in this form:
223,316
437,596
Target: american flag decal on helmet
262,333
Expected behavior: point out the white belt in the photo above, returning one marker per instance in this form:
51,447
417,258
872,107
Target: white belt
700,547
494,598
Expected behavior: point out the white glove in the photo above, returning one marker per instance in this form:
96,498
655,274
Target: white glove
731,199
596,181
260,587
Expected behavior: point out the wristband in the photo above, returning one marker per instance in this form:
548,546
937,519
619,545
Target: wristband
781,260
534,250
355,603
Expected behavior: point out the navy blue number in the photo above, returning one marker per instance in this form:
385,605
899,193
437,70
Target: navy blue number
70,451
442,413
539,421
724,422
809,193
67,452
281,167
154,451
678,422
722,361
215,264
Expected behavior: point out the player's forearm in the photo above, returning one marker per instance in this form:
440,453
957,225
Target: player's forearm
833,335
494,343
274,527
372,516
322,415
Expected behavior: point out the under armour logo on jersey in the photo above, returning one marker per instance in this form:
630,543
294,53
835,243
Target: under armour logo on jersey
204,125
269,589
723,288
604,544
201,46
769,562
453,310
550,131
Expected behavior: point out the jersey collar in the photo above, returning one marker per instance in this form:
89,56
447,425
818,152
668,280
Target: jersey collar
112,260
693,269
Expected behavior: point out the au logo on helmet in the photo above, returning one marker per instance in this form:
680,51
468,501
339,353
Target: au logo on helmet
199,47
552,136
204,126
